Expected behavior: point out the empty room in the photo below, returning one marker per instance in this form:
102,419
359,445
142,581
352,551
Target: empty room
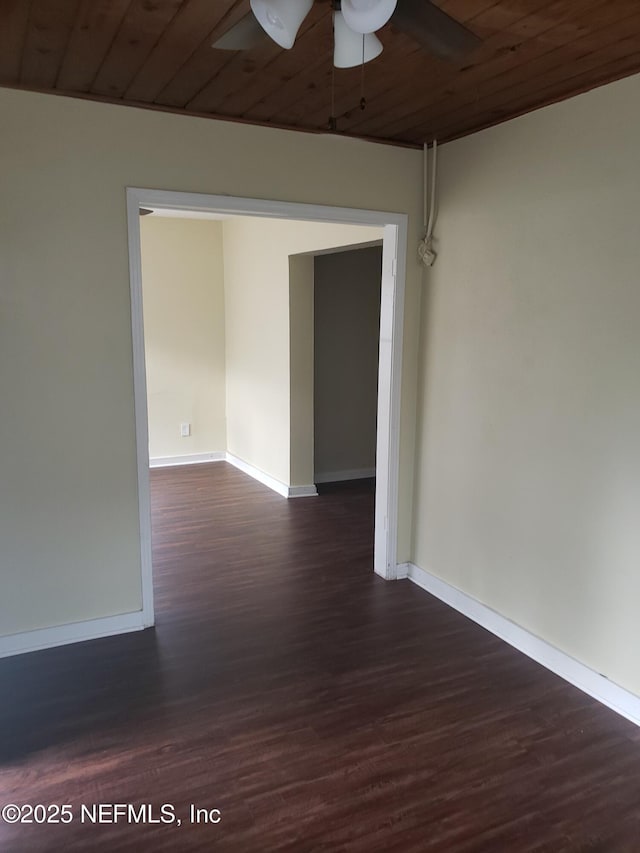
289,560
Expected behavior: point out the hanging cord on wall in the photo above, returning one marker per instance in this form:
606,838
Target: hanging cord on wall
425,246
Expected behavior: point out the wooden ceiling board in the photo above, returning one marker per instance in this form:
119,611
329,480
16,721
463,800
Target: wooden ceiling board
138,34
296,95
291,90
316,44
500,55
310,95
201,66
591,71
14,19
196,26
48,32
246,77
465,10
96,25
535,74
312,103
158,53
422,84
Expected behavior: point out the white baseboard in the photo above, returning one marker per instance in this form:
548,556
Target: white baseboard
350,474
402,571
267,480
223,456
187,459
75,632
260,476
302,491
599,687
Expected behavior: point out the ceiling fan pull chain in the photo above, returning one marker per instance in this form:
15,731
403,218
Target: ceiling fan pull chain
363,100
333,123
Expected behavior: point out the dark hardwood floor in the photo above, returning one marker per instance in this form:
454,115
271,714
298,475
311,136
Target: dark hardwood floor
316,706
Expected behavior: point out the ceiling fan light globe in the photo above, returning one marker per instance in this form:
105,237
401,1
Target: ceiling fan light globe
348,45
281,19
367,16
274,20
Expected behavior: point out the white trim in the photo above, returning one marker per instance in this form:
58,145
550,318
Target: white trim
594,684
271,209
349,474
223,456
140,409
394,253
402,571
187,459
262,477
75,632
302,491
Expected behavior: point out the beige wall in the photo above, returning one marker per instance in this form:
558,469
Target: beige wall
527,493
256,258
346,338
528,484
69,533
183,292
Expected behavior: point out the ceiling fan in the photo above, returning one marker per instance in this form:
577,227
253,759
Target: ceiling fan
355,25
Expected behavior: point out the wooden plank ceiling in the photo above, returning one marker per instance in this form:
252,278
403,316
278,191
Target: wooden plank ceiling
158,53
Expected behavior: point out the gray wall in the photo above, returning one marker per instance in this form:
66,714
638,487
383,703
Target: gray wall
346,336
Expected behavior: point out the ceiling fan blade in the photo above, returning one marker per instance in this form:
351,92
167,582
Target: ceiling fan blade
244,35
433,29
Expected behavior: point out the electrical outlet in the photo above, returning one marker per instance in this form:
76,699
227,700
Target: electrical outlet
185,430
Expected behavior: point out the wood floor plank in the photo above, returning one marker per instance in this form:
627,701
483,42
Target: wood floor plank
317,706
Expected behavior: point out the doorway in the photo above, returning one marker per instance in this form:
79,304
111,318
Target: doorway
390,352
346,335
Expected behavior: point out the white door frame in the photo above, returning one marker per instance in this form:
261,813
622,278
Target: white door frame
394,252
